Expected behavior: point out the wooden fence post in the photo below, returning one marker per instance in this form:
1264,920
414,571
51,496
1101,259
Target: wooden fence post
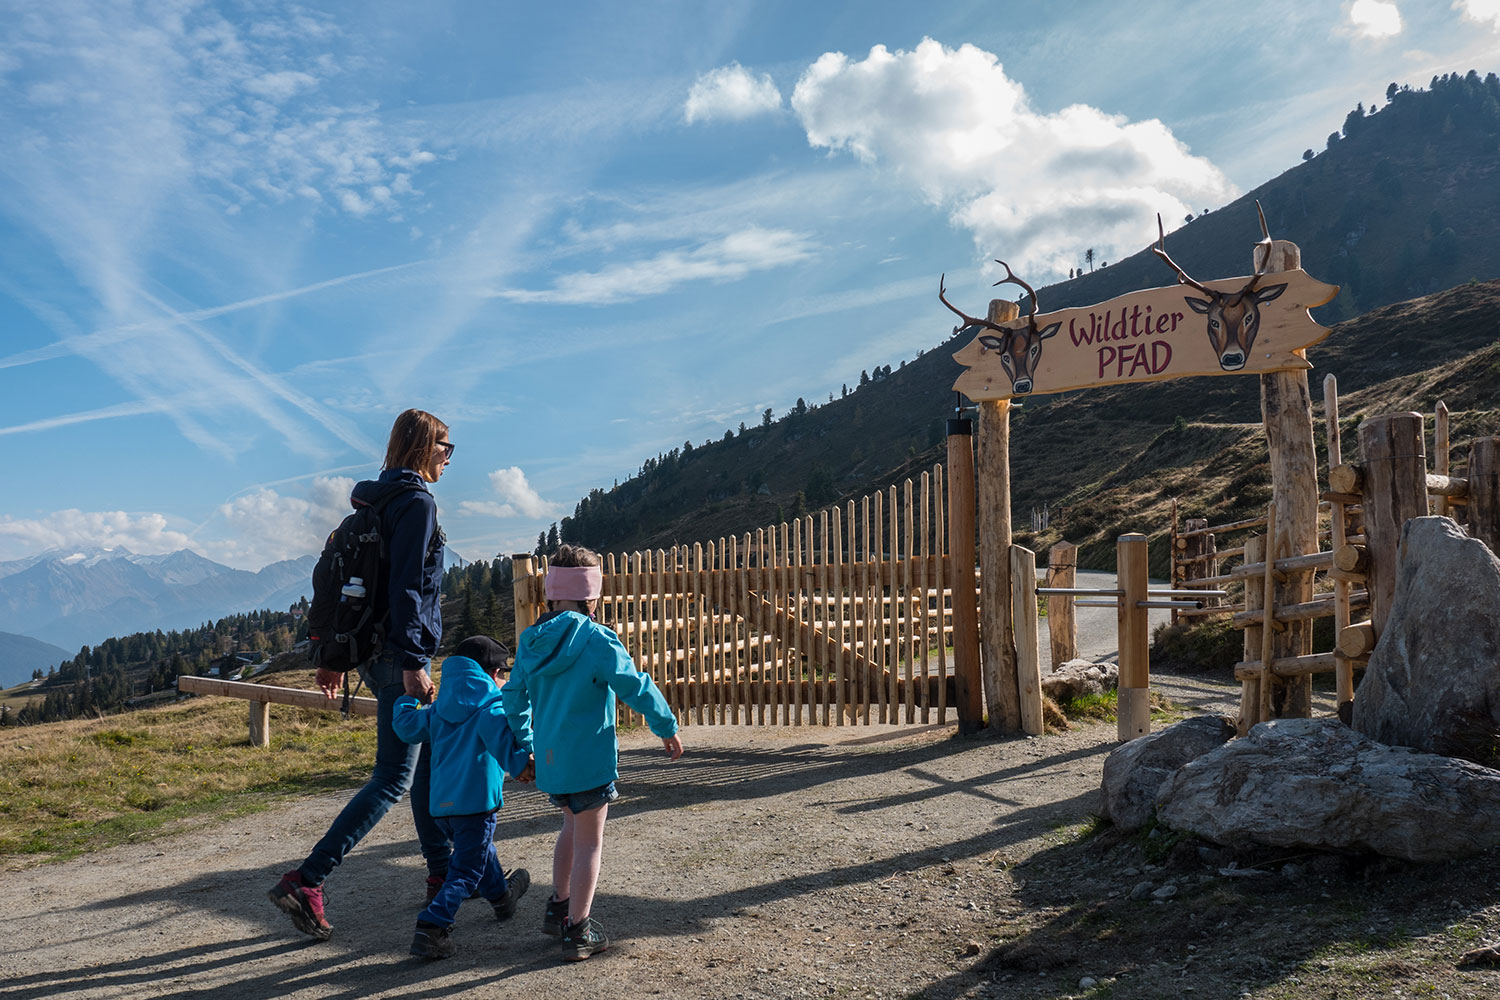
1062,621
260,723
1255,551
1134,709
1484,491
993,480
1394,490
1028,638
1338,532
1286,406
523,581
967,685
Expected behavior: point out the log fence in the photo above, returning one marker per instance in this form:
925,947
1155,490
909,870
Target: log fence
841,617
1367,504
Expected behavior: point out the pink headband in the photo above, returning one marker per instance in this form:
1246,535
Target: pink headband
574,583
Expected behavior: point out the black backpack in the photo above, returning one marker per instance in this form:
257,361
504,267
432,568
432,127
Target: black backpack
346,629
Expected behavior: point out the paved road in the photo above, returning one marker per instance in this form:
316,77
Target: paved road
1098,628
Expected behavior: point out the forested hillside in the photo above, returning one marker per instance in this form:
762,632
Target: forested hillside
1398,202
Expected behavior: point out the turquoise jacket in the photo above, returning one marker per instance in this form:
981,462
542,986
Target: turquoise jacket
561,699
471,740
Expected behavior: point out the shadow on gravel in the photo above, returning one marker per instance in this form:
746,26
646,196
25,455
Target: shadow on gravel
1319,924
374,899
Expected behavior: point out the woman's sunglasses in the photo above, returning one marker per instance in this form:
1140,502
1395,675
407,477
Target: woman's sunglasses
447,447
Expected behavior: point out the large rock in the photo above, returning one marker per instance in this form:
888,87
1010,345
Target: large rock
1433,681
1077,678
1315,783
1134,772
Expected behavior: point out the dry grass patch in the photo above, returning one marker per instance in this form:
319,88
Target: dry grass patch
73,787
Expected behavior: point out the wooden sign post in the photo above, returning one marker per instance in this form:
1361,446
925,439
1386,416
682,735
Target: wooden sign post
993,480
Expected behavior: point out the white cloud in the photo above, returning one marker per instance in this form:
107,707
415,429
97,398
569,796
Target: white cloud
1375,18
517,498
1483,11
264,526
1033,188
730,92
723,259
145,534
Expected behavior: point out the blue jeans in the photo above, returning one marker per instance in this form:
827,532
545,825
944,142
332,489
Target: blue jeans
475,866
399,767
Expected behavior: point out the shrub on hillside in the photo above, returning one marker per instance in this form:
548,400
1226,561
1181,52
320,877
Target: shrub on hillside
1210,645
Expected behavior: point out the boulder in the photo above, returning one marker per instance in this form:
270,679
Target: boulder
1134,771
1315,783
1076,678
1433,681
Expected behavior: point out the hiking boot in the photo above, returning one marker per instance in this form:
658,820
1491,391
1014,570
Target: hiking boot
303,903
582,939
431,941
555,917
515,887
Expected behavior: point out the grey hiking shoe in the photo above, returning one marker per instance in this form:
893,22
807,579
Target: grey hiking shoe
431,941
583,939
515,887
555,917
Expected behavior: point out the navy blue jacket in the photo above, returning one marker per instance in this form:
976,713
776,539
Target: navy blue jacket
414,566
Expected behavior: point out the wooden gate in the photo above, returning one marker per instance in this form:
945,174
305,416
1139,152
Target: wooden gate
843,616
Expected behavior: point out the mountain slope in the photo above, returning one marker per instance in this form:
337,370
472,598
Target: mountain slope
1404,204
21,654
78,598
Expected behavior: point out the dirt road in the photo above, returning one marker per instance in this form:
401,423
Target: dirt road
766,862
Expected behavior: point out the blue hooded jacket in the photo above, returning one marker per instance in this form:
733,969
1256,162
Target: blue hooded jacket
560,699
471,740
414,566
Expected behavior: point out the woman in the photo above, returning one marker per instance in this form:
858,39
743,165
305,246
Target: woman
418,452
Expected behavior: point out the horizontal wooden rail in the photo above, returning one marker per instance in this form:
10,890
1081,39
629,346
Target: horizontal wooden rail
1320,608
262,696
1290,666
1452,487
1289,564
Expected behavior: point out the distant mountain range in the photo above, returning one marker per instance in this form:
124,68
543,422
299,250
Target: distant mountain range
79,597
21,654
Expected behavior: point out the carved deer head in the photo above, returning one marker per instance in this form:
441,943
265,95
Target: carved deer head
1233,317
1020,349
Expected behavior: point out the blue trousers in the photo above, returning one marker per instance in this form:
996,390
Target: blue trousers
399,767
474,866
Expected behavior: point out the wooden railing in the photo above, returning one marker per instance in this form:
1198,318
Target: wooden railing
840,616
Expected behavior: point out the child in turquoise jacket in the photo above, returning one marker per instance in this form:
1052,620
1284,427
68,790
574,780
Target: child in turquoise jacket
560,699
471,742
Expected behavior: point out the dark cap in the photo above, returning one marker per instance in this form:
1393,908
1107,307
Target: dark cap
489,654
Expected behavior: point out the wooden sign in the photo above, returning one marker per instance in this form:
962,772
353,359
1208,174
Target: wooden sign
1145,336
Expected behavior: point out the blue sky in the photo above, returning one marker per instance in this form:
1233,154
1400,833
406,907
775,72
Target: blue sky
237,238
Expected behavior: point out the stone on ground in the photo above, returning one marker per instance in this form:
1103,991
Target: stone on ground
1434,678
1315,783
1134,772
1077,678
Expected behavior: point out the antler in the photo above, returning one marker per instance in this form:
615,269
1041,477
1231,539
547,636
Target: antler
1011,279
1161,251
968,320
1263,248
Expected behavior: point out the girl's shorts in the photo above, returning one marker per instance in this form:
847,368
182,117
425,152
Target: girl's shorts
581,802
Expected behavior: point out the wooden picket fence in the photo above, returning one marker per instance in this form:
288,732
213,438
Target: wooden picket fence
843,616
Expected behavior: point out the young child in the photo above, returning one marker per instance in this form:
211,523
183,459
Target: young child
568,671
471,741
